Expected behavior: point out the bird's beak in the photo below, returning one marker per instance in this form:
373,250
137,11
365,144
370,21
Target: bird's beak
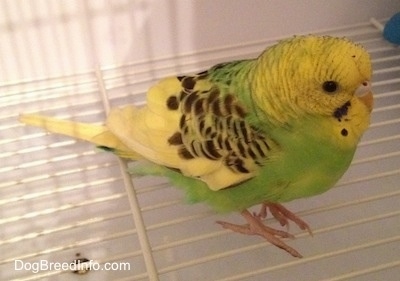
364,94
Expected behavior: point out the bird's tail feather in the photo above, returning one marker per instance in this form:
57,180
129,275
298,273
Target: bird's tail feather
96,134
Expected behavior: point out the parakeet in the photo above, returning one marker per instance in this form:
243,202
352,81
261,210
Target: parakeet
267,130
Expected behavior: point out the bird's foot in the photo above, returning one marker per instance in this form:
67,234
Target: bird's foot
283,216
255,226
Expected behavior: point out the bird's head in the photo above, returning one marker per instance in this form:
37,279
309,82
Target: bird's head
312,75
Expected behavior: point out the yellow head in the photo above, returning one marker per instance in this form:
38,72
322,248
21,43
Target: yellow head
311,75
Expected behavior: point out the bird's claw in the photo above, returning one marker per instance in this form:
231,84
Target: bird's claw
283,216
255,226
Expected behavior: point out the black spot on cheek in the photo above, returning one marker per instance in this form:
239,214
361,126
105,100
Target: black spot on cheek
342,111
344,132
172,103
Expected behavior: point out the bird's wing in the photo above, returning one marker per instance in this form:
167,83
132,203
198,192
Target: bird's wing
197,127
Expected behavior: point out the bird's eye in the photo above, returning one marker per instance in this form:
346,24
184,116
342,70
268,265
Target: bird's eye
330,86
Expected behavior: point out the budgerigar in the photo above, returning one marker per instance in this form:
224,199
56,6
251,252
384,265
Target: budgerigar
260,131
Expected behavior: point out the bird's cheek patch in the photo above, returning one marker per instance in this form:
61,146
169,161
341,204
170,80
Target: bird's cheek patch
342,111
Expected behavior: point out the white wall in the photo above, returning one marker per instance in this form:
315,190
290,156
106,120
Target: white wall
51,37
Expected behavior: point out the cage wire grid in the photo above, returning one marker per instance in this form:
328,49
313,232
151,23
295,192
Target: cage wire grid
61,199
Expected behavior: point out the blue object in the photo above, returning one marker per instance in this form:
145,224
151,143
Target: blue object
391,31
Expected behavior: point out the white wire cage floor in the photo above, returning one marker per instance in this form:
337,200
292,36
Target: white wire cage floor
62,200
